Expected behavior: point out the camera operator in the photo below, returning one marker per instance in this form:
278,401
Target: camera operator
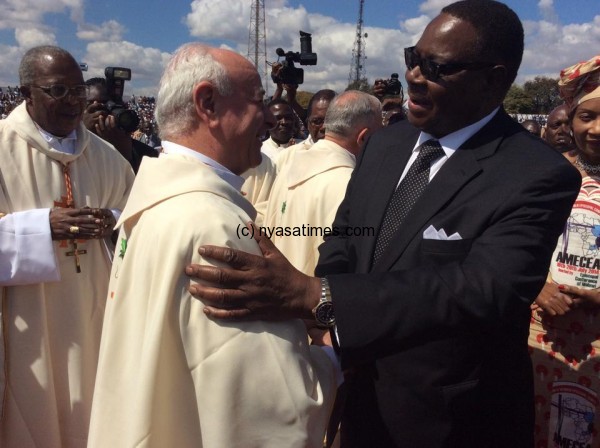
97,119
290,91
391,87
390,93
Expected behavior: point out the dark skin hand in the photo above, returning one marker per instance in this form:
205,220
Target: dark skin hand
97,120
379,88
254,287
291,90
93,223
553,301
588,298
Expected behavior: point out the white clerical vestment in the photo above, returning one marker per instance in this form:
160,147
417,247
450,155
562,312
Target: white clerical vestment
305,196
170,377
257,185
52,330
273,149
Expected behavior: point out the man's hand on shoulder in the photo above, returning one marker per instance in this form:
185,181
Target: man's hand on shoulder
252,287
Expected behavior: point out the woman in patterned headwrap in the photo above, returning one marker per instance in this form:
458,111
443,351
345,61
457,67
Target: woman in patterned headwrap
565,327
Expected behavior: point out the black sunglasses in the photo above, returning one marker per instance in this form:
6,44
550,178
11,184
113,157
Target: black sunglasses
432,71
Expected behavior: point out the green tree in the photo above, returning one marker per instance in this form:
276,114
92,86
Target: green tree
543,92
517,101
361,84
303,98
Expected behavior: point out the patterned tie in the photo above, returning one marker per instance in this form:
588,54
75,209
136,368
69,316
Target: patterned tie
407,194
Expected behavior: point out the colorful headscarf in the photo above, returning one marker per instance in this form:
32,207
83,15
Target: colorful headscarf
580,82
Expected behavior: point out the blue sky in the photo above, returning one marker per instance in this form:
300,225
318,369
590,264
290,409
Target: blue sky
141,34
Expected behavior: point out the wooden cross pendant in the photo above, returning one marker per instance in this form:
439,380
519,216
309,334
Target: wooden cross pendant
76,253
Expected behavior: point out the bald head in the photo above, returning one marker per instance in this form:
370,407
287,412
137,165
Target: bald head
211,101
192,63
52,84
351,117
39,58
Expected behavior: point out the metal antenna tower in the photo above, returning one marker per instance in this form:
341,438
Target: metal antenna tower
257,40
357,67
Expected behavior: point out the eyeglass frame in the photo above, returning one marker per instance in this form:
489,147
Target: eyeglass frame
47,90
432,71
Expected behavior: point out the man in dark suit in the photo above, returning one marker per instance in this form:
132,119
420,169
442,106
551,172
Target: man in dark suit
432,310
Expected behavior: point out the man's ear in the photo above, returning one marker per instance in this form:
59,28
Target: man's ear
204,101
497,78
362,137
25,91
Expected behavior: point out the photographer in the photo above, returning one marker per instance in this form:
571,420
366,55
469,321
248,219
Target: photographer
390,93
300,114
98,120
391,87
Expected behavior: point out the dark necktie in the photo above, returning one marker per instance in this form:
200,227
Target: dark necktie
407,194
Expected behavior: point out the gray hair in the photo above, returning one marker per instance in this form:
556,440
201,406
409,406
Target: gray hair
28,69
351,111
191,64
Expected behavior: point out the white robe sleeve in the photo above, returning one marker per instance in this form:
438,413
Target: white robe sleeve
26,248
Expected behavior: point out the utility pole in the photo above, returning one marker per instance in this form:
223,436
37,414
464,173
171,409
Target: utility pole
357,67
257,40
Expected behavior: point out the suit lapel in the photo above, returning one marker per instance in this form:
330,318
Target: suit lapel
460,169
383,186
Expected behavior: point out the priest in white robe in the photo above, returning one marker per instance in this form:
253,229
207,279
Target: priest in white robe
311,184
168,376
59,183
259,180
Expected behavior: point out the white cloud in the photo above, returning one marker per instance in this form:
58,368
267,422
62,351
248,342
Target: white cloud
547,11
26,18
146,64
415,26
433,7
31,37
10,57
109,31
219,20
17,13
550,47
332,40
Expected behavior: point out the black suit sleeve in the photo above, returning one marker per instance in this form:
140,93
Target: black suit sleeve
140,150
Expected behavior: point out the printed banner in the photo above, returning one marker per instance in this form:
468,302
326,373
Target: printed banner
572,415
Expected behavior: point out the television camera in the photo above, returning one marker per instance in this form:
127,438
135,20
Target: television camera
288,73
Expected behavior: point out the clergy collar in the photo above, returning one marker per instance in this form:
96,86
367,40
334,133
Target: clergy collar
223,172
283,145
61,144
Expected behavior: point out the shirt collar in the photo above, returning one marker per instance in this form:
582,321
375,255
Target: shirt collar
453,141
223,172
62,144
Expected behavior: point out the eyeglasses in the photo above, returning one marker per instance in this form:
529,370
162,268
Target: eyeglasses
59,91
432,71
317,121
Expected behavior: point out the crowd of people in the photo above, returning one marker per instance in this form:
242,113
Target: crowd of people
10,97
236,272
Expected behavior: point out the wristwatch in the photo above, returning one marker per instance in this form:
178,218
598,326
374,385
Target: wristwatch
323,312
